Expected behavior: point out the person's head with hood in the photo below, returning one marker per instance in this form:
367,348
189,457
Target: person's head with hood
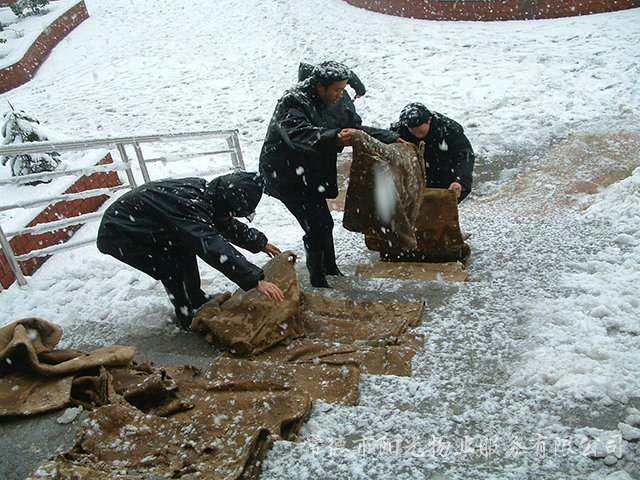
330,79
417,119
236,194
305,70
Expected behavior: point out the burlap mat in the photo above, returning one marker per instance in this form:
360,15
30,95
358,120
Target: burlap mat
369,335
28,345
121,442
386,187
35,377
246,323
330,383
388,360
28,394
441,272
437,230
188,425
319,330
388,201
357,322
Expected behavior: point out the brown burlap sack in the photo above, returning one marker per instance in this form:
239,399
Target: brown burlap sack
123,442
246,323
29,393
28,341
441,272
387,360
437,230
386,187
224,434
357,322
369,335
329,383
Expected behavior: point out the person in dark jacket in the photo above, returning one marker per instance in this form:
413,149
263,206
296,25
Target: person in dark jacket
160,227
448,154
341,111
298,159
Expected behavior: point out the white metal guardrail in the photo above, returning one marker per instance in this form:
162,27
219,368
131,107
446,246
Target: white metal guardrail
125,165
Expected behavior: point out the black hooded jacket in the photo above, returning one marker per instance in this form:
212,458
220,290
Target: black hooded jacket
300,149
448,154
192,215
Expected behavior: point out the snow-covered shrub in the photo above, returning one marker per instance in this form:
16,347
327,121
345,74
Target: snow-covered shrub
24,8
18,127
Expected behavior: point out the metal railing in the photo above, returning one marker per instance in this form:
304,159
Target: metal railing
125,165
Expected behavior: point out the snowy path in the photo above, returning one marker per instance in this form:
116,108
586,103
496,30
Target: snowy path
539,347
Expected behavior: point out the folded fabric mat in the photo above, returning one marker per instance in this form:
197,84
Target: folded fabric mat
437,230
37,378
400,217
371,335
178,422
441,272
389,210
246,323
175,423
312,328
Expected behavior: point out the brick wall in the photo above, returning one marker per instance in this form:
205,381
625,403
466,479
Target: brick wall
483,10
23,70
25,243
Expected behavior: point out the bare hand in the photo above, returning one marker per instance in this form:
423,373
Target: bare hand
271,291
402,140
344,137
456,188
271,250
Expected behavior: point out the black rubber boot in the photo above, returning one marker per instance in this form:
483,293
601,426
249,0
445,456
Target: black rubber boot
330,266
198,298
184,312
315,265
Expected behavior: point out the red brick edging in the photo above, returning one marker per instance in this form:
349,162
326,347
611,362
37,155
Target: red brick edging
484,10
24,69
22,244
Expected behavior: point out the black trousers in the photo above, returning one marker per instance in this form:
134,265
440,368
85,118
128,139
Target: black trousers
176,269
313,215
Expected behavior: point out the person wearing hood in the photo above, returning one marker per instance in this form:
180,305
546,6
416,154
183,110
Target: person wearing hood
161,227
448,154
299,155
344,109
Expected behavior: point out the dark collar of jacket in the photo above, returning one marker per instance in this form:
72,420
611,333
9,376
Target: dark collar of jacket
308,89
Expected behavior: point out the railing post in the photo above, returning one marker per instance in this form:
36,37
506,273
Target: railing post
11,258
236,155
125,160
141,162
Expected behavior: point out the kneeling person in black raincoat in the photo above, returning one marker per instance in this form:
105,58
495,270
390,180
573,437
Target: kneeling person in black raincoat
160,227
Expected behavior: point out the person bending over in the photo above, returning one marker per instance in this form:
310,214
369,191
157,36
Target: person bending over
161,227
448,155
298,159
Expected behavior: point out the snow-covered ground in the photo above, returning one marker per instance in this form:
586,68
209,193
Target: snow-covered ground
552,306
